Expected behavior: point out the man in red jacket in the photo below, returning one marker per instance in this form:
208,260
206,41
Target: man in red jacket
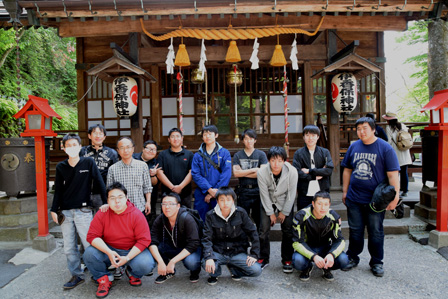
120,236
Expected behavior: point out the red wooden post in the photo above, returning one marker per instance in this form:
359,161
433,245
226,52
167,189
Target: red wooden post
442,185
41,185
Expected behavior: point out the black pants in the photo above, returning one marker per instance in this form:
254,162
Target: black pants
249,200
303,201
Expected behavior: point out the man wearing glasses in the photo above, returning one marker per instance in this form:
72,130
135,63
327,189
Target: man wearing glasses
148,155
103,156
314,165
119,237
175,164
175,238
133,174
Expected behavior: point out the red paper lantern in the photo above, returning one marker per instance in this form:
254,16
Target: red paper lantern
125,96
344,92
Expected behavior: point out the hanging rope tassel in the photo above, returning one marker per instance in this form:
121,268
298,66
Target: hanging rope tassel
181,112
285,95
237,135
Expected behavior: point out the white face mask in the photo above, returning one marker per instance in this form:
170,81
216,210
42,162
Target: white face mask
73,151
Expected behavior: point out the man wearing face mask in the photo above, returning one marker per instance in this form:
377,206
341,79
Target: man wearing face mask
74,178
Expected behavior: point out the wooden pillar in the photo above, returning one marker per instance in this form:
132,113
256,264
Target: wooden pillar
333,118
437,56
156,111
308,98
137,118
80,81
381,102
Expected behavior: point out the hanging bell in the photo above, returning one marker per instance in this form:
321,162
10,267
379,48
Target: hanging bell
196,76
234,76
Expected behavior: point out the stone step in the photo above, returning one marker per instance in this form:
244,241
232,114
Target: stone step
18,220
425,212
428,199
23,204
341,209
21,233
56,231
391,227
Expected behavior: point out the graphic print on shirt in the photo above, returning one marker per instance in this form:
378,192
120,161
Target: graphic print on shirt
363,165
248,163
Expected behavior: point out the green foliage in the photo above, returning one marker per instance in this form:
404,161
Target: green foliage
9,126
47,69
418,94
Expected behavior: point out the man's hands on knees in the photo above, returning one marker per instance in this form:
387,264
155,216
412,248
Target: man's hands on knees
250,261
324,263
161,269
210,266
116,260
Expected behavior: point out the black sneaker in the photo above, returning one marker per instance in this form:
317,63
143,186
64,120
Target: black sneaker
163,278
194,276
263,263
377,270
212,280
287,267
351,264
73,282
305,274
118,274
150,273
327,275
236,277
404,194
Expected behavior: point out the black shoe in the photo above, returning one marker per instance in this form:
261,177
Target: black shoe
263,263
305,275
351,264
163,278
194,276
118,274
377,270
236,277
287,267
404,194
150,273
212,280
327,275
73,282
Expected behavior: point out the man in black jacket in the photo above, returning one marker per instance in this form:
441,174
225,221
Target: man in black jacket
175,238
227,233
314,165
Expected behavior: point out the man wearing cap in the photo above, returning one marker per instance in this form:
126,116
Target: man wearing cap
368,162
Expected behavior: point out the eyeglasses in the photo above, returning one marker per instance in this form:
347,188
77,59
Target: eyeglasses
169,204
151,150
123,148
113,198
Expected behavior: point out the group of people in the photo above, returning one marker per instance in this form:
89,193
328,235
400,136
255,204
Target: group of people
121,233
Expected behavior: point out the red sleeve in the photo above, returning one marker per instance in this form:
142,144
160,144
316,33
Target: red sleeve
96,227
141,231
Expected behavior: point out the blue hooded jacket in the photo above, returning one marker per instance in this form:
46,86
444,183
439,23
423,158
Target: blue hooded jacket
205,175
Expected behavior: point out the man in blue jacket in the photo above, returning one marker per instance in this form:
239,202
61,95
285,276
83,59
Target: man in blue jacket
211,169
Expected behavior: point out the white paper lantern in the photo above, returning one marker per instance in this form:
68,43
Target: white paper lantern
344,92
125,96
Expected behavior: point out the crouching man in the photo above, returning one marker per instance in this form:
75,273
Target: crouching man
120,236
317,238
227,232
175,238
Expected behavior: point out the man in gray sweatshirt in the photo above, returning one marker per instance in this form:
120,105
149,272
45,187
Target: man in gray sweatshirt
278,186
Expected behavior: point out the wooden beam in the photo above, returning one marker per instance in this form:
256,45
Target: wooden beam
80,8
347,50
137,118
156,111
82,105
381,103
115,27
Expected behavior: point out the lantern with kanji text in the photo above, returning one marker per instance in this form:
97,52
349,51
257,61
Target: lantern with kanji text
344,92
125,96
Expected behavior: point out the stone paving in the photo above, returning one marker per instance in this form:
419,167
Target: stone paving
411,271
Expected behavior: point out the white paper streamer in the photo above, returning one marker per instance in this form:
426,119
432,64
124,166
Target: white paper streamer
293,56
170,59
203,60
254,57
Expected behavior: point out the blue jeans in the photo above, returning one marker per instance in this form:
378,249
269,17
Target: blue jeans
236,264
200,205
191,262
76,221
359,217
301,263
97,262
